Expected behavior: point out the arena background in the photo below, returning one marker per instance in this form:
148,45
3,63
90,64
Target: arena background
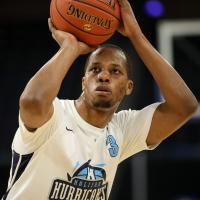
172,171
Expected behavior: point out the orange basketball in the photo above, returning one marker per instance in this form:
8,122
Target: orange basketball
91,21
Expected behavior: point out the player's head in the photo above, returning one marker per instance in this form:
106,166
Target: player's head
107,77
117,48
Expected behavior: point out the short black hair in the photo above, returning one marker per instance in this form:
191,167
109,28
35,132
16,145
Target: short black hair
128,60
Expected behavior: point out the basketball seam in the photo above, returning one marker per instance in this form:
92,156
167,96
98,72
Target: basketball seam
78,27
80,1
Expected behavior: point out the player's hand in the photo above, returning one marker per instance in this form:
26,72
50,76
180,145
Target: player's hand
65,39
129,24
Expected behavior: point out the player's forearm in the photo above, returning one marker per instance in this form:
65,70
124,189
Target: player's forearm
176,93
45,85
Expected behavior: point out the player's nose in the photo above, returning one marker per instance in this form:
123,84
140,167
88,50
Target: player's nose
104,76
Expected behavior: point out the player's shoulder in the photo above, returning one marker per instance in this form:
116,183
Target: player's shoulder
121,117
124,116
63,104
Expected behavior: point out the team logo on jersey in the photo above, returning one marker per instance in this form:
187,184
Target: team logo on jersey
87,182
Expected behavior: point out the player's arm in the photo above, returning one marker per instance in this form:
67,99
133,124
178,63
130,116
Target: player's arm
180,104
36,105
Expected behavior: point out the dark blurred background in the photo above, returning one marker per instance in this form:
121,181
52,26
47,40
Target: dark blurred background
171,172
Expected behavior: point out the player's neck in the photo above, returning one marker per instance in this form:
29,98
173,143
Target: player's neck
95,117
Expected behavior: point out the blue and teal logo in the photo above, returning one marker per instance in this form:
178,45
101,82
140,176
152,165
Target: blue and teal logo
88,182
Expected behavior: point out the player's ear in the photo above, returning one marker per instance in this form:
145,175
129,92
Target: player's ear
129,87
83,83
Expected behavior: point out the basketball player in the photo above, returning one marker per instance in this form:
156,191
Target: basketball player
70,149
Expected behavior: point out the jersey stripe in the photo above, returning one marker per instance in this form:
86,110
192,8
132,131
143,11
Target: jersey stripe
19,164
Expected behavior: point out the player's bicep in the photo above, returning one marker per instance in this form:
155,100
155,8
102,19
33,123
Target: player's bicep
164,122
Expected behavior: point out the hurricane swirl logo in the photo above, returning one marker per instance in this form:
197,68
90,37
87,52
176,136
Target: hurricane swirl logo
87,182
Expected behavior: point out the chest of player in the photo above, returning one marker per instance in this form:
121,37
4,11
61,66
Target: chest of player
82,164
73,145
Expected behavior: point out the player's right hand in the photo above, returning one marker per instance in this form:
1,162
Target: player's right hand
65,39
129,25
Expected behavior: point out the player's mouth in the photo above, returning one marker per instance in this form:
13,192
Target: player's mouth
103,90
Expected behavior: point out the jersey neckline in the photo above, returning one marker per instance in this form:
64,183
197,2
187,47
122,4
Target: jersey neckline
83,124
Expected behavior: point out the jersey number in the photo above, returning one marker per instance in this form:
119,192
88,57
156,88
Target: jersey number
114,148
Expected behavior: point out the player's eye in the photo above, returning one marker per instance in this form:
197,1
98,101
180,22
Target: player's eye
95,69
115,71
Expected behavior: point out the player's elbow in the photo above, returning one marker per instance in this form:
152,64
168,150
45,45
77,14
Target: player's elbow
190,107
31,104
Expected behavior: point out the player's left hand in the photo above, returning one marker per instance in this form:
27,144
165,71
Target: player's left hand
129,24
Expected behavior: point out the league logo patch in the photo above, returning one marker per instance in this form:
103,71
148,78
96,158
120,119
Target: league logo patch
87,182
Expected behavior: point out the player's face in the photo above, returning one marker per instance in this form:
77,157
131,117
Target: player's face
106,81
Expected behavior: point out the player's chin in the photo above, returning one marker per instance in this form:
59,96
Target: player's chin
103,104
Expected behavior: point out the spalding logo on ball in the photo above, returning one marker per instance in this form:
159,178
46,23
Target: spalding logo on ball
91,21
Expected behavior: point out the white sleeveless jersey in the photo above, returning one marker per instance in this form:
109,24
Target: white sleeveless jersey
69,159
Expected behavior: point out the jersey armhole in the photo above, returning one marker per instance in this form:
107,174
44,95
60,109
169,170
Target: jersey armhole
26,141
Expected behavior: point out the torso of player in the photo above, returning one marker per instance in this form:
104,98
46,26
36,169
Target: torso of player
76,163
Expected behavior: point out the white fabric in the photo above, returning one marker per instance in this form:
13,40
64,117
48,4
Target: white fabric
59,153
